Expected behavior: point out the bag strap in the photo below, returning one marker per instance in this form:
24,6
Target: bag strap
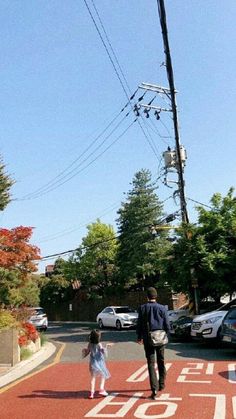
146,319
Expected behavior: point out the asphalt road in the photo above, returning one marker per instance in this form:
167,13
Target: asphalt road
75,336
200,384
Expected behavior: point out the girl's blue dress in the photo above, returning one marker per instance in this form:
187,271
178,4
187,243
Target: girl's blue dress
97,365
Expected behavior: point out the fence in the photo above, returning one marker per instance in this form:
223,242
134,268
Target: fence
83,309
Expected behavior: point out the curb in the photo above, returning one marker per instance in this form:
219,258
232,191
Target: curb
28,365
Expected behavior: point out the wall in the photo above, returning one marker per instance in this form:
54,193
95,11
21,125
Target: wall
87,310
9,350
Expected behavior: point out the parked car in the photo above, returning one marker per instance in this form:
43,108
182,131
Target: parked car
181,328
208,326
174,315
38,318
117,316
228,328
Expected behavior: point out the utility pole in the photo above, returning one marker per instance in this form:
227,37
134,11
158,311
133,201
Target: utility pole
170,75
193,303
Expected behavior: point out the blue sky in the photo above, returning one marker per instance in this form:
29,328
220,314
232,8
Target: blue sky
59,91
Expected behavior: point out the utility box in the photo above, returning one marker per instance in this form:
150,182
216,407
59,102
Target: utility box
169,158
9,349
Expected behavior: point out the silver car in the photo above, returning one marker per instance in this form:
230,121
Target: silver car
117,316
38,318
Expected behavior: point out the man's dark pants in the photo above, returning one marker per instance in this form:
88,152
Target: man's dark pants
154,354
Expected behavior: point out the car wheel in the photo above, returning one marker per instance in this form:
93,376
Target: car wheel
118,325
218,337
100,324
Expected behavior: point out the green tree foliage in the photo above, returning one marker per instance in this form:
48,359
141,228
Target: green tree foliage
5,185
30,293
56,287
139,253
209,248
10,281
94,262
14,292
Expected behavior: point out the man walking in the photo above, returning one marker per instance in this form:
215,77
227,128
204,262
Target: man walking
153,316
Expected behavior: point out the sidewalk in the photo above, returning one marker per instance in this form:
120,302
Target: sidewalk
10,374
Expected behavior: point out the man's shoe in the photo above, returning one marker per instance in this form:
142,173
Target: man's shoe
91,395
154,395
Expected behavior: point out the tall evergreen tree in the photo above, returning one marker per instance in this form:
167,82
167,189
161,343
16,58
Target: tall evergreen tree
5,185
139,253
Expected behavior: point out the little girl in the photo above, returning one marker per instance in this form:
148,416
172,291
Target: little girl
97,365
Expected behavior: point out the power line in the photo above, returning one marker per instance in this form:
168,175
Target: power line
92,161
72,230
162,137
151,141
74,172
132,230
74,161
200,203
110,45
107,50
114,66
90,246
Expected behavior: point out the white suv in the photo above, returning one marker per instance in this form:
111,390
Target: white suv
38,318
208,325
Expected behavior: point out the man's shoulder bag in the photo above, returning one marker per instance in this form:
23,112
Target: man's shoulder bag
156,337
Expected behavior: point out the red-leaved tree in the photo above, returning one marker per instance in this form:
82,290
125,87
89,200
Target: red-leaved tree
16,252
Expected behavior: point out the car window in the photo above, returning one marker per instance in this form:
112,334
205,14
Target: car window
107,310
36,311
110,311
232,314
120,310
228,305
39,311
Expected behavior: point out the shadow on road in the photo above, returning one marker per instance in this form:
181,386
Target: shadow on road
53,394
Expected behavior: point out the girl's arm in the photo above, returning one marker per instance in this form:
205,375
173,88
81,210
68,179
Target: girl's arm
109,344
104,348
85,351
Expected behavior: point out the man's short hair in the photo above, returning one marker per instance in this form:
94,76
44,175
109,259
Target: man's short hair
151,293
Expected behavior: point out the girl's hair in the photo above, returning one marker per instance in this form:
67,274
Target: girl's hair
95,336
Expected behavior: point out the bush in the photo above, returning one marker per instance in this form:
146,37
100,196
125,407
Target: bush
22,340
22,313
25,353
27,333
43,339
30,331
7,320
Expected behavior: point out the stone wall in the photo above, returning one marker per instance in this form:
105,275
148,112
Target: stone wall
9,349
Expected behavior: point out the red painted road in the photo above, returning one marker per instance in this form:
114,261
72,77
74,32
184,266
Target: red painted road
194,390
